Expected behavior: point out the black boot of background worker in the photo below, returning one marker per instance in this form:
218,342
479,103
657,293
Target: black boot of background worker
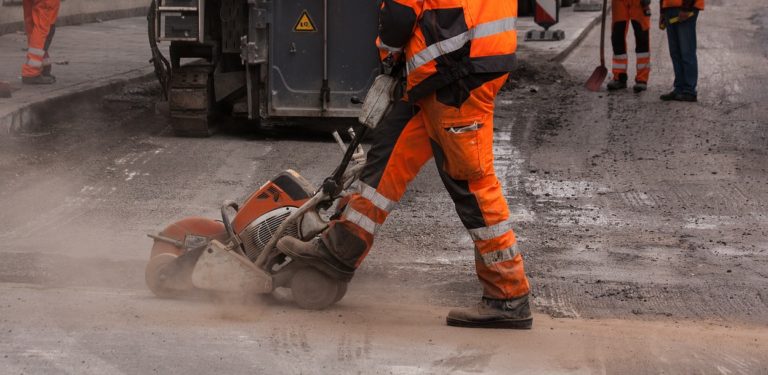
680,97
618,84
316,254
492,313
38,80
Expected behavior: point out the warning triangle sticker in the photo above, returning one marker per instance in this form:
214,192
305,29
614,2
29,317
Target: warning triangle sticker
304,24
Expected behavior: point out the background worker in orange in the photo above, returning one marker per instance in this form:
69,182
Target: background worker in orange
458,55
638,14
39,21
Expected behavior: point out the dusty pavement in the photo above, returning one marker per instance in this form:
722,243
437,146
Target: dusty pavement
643,225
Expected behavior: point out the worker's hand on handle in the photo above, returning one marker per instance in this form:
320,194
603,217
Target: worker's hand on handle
684,16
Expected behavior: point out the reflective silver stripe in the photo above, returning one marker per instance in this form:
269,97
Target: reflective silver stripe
499,256
619,66
453,44
490,232
620,57
643,66
34,63
375,197
383,46
36,51
361,220
643,54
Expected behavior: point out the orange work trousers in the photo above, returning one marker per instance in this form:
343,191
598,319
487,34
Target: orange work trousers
455,126
624,13
39,19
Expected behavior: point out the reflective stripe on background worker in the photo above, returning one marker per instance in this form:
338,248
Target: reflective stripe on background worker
679,18
636,13
457,55
39,23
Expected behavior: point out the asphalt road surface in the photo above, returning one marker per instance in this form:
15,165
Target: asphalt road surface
643,224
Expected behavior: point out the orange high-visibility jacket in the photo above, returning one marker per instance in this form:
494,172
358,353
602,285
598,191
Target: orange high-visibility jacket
445,40
698,4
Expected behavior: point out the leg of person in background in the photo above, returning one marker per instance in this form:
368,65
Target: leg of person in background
688,60
44,13
673,41
641,26
620,15
47,64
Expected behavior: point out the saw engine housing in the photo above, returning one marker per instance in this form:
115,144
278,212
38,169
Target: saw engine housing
258,218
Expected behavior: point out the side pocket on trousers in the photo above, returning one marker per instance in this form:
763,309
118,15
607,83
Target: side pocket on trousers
461,143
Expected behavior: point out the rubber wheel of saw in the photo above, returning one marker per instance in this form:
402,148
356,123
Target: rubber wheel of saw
153,275
342,290
313,290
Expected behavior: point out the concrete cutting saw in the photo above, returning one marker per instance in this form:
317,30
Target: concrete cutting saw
237,254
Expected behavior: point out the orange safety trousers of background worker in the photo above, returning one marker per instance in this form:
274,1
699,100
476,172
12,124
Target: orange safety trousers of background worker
455,125
39,19
624,13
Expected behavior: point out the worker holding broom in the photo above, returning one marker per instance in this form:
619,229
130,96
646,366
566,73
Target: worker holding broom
636,13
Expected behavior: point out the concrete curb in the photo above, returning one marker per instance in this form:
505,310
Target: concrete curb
76,19
562,55
17,120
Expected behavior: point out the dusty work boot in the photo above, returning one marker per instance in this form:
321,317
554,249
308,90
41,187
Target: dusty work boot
640,87
616,84
685,97
316,254
494,313
38,80
668,96
47,70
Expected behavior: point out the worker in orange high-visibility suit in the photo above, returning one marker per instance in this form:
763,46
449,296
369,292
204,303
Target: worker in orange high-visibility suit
638,14
39,21
458,55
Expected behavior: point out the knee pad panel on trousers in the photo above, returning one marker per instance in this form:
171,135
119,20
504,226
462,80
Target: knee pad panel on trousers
642,37
619,37
466,203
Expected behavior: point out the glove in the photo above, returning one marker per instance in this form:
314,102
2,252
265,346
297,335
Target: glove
684,16
662,22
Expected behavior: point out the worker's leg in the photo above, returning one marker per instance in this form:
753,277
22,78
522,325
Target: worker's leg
462,142
675,52
688,60
400,149
29,24
44,13
641,25
619,28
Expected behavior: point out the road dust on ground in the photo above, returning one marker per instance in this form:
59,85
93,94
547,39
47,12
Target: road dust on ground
643,226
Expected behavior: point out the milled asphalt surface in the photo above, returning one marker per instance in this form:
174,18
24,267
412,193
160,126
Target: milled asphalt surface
643,225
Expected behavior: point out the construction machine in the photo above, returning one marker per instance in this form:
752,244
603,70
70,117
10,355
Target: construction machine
262,59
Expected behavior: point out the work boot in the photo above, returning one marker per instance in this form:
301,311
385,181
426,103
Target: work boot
494,313
668,96
47,69
616,85
316,254
640,87
685,97
38,80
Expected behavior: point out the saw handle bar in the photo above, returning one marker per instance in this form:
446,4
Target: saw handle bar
334,184
225,216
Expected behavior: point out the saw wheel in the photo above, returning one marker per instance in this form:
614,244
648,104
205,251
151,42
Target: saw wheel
313,290
156,279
